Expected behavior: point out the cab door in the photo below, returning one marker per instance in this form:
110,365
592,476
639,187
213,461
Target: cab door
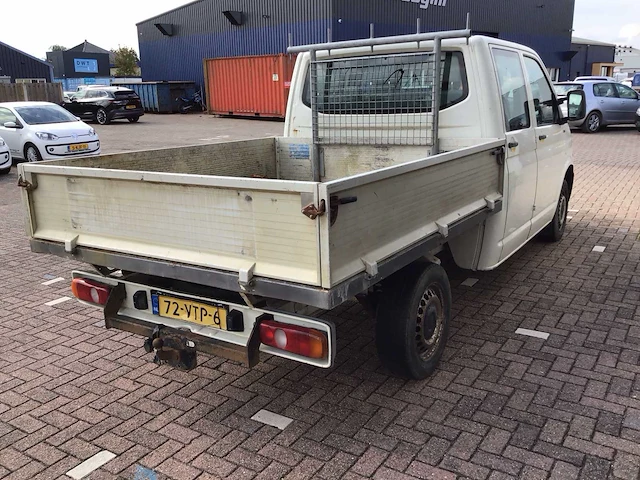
552,144
521,164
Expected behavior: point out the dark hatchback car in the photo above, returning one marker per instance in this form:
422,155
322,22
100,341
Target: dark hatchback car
105,104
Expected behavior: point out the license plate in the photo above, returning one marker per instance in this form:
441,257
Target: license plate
78,147
195,312
131,107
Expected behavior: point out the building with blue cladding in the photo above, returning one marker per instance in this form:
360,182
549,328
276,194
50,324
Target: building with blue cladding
174,44
19,67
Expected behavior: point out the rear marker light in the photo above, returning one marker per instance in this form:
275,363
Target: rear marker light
90,291
303,341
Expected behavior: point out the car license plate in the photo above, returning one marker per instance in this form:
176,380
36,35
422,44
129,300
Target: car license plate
78,147
195,312
131,107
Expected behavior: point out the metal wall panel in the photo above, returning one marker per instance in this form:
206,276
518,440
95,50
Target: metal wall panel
542,25
17,64
202,31
587,55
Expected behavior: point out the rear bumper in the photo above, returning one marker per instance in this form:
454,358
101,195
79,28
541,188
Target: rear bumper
239,340
124,113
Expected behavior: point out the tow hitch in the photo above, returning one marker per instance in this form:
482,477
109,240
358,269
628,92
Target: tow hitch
174,350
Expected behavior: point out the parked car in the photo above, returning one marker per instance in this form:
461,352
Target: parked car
104,104
595,77
5,157
608,103
44,131
67,96
638,119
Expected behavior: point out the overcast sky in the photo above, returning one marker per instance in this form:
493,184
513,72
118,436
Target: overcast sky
34,25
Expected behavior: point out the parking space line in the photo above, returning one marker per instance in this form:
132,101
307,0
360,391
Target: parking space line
91,464
532,333
599,249
273,419
573,211
57,302
469,282
51,282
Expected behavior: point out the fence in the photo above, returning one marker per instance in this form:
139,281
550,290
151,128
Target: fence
19,92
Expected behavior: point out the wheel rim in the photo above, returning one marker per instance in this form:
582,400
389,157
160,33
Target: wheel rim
101,116
32,155
594,122
429,322
562,210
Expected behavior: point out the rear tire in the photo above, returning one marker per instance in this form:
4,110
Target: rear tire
638,125
31,153
133,119
5,171
102,117
555,230
592,123
413,317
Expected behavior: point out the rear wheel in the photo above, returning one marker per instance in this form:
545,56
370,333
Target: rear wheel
5,171
413,319
554,231
592,123
102,117
31,153
133,119
638,125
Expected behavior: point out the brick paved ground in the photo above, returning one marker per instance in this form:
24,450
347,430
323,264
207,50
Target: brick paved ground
501,406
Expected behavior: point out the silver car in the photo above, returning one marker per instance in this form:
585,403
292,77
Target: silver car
608,103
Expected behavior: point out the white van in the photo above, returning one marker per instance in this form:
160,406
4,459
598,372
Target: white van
394,149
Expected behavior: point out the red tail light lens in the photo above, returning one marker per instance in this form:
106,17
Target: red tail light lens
303,341
90,291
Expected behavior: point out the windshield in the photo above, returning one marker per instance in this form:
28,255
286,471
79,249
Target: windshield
566,88
45,114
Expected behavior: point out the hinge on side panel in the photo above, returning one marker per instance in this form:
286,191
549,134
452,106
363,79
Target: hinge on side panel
28,186
314,212
499,153
245,277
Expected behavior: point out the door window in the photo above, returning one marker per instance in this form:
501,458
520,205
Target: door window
604,90
626,92
543,100
7,115
512,89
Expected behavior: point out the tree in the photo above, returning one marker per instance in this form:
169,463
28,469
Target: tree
126,61
57,48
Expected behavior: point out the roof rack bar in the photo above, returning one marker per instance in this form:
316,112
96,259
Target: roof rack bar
370,42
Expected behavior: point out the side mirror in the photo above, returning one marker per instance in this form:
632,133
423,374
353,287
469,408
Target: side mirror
10,125
576,105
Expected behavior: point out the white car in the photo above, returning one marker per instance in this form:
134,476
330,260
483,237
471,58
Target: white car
5,157
45,131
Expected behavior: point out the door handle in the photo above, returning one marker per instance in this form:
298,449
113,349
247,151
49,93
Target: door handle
542,137
512,144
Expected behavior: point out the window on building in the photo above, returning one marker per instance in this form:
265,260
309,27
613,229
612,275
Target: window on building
31,80
554,73
513,89
543,101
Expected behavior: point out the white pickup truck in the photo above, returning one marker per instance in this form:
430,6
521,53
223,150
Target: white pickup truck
394,150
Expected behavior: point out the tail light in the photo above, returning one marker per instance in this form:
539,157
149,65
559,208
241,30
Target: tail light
303,341
90,291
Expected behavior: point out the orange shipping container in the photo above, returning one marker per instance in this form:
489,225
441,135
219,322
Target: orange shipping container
256,86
